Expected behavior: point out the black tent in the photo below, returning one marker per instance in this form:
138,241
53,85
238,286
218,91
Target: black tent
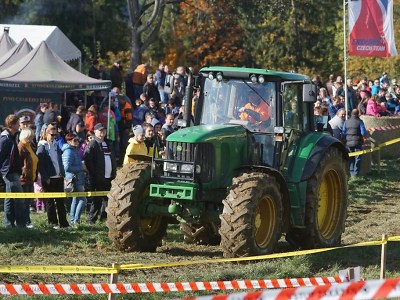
43,71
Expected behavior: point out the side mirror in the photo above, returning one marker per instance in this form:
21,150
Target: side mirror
309,92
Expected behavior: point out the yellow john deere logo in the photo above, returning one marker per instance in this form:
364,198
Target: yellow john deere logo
179,148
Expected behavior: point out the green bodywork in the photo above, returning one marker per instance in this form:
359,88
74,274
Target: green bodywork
231,148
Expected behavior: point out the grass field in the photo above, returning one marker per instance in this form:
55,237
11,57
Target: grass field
372,211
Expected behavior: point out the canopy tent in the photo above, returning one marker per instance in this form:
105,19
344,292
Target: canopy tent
43,71
6,43
53,36
15,54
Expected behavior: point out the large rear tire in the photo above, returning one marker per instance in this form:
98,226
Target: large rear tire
200,234
326,204
252,218
127,229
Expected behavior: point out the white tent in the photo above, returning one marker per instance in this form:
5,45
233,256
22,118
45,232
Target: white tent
52,35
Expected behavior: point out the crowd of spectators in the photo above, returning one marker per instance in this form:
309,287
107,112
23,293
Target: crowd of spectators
84,147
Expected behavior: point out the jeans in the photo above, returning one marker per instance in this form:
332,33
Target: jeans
77,205
354,161
27,188
13,208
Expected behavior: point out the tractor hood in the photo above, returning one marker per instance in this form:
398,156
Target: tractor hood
207,133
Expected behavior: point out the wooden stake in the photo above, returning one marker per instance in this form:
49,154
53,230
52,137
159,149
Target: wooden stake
113,279
383,256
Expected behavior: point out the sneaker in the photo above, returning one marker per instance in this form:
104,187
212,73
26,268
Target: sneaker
30,226
55,227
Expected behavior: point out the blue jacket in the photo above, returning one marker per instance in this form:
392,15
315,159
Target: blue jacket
9,156
72,164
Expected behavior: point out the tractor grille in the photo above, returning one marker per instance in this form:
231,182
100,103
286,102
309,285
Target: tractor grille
186,152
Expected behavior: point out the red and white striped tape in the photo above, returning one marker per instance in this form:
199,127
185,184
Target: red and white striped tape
374,289
120,288
383,128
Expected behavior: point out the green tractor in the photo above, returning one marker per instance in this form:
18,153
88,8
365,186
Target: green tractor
233,182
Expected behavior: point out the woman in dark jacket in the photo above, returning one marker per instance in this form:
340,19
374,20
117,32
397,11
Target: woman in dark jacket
29,161
52,174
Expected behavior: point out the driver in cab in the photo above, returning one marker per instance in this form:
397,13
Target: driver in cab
256,111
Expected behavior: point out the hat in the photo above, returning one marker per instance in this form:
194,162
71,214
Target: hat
356,81
24,119
99,126
138,130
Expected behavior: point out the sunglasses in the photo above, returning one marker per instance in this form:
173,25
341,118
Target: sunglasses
52,134
75,140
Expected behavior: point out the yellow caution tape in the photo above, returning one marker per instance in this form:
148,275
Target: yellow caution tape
58,269
52,195
260,257
385,144
103,270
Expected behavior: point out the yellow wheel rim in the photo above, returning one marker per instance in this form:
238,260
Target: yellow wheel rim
329,199
264,221
150,225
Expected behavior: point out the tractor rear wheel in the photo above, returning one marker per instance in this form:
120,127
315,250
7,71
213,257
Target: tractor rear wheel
326,204
252,218
201,234
127,229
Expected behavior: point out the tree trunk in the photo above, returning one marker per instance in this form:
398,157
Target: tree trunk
136,53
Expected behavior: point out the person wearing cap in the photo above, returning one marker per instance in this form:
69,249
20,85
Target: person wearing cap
11,169
24,122
136,145
51,171
116,75
74,169
38,122
29,161
100,162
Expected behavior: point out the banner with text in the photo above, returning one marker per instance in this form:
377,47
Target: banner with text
371,28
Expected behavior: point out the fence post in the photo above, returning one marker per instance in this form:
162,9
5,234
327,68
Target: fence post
113,279
379,160
383,256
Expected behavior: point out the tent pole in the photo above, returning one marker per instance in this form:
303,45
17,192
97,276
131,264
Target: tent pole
345,58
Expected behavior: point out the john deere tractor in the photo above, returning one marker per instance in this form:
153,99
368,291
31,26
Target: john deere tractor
236,181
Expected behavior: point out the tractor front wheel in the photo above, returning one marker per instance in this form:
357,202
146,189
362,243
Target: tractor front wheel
127,229
252,218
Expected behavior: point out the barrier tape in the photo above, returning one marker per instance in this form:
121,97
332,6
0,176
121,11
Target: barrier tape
384,128
120,288
52,195
372,289
129,267
388,143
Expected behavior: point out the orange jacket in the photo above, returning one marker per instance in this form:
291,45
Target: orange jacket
139,76
262,109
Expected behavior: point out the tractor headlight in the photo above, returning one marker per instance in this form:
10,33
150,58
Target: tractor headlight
188,169
170,167
261,79
211,76
219,76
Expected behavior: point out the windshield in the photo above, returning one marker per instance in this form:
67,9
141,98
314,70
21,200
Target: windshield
239,102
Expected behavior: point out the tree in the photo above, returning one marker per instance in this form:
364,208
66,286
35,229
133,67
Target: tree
145,22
